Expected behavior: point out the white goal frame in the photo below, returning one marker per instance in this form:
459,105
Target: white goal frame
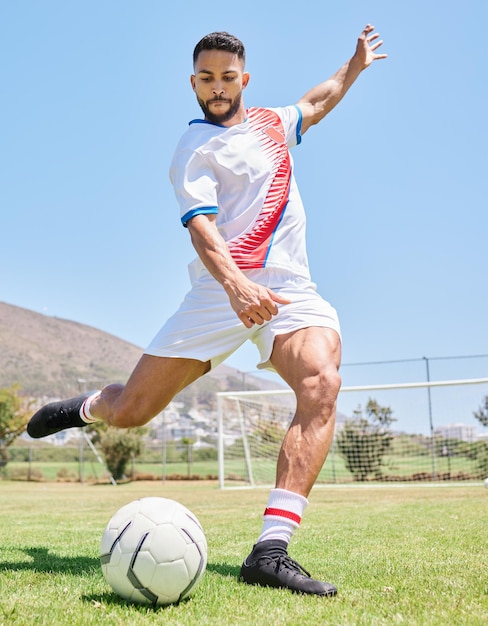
236,395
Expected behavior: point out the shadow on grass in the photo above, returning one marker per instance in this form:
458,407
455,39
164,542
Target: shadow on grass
107,599
42,560
45,561
111,599
223,569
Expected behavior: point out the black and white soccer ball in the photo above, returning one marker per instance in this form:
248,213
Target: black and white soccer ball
153,551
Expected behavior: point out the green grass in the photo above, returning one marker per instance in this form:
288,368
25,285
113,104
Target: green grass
399,555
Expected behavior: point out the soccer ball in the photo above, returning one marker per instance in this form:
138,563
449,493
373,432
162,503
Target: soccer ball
153,551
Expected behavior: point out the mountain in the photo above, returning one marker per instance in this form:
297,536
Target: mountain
49,356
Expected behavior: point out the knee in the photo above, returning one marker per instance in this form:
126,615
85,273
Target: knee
321,388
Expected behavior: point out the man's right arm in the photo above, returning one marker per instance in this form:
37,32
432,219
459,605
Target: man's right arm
252,303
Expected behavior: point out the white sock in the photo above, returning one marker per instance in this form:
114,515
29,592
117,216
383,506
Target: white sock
85,414
282,515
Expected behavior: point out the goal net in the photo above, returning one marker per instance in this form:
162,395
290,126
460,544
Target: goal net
422,431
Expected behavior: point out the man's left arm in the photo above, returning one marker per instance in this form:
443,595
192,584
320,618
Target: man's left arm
320,100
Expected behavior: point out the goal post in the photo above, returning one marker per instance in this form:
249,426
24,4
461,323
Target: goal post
414,447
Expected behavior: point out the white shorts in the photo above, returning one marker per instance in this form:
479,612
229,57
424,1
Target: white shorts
206,328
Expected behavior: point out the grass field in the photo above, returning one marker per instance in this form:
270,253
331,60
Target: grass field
399,555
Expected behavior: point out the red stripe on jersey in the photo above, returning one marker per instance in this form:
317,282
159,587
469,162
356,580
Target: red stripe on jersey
282,513
250,249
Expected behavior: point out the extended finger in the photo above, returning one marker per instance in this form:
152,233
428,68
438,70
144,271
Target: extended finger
280,299
376,45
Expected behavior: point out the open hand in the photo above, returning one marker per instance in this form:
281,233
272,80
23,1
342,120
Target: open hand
367,46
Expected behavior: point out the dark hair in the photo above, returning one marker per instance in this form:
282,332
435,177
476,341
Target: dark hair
220,41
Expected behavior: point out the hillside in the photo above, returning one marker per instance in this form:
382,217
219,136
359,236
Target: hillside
49,356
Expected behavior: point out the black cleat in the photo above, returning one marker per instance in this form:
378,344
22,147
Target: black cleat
269,565
57,416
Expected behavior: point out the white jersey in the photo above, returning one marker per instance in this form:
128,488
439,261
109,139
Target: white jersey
244,175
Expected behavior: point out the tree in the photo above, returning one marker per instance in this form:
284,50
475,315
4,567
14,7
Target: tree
188,443
119,446
365,439
14,413
482,413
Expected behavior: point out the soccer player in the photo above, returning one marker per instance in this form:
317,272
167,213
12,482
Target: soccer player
233,178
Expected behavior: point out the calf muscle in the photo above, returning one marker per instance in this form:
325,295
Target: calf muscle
308,360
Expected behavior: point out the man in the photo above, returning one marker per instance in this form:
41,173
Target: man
232,176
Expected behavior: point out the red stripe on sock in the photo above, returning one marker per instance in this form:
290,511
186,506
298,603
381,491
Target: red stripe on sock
282,513
86,417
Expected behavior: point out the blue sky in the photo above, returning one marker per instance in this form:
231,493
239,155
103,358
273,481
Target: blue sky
394,180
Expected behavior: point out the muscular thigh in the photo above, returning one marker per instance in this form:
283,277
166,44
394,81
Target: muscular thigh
306,352
154,383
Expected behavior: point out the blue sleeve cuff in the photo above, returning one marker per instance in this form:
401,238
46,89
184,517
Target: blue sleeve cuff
299,125
204,210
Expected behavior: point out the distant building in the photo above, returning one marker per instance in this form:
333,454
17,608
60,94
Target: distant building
463,432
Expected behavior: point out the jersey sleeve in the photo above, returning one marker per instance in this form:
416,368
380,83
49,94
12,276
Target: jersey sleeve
291,118
194,184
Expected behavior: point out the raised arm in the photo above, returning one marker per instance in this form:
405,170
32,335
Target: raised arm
320,100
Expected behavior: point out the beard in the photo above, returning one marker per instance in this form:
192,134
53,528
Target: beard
220,118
